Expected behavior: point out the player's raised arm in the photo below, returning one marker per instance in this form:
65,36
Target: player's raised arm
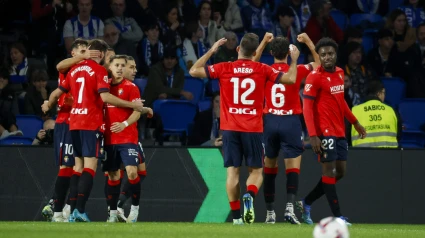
198,68
66,64
291,76
304,38
111,99
53,98
268,37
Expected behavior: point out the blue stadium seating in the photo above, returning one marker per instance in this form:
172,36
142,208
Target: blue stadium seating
196,87
215,86
358,18
176,115
368,42
141,84
29,125
204,105
395,89
340,18
395,4
16,140
267,59
412,112
301,59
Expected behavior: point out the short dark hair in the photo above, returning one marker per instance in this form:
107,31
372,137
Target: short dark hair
190,28
99,45
324,42
39,75
200,8
279,47
419,26
118,57
130,58
374,87
20,47
110,49
151,25
4,73
249,44
385,32
77,42
283,10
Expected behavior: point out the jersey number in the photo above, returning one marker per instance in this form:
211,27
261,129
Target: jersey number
278,99
80,92
246,83
68,149
328,144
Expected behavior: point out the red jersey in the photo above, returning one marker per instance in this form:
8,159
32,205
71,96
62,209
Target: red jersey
64,103
324,103
284,99
125,90
86,81
242,85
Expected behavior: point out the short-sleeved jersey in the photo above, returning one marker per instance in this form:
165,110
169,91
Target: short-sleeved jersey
64,103
86,81
285,99
327,91
128,91
242,85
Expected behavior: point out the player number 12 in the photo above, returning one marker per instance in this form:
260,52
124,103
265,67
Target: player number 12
245,83
80,92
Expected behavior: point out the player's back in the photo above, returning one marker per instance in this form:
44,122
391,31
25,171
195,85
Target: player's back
86,81
284,99
329,102
242,85
65,102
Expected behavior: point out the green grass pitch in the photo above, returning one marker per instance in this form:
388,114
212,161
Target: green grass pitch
189,230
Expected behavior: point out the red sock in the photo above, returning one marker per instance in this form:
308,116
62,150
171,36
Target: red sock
252,189
235,206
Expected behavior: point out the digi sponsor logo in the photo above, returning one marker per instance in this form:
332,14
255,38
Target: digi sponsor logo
79,111
242,111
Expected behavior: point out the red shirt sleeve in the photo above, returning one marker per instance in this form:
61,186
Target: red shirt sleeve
64,84
102,80
38,11
303,70
312,86
272,74
134,94
213,71
348,114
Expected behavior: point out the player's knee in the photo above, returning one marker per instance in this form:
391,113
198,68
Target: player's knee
132,172
270,162
114,175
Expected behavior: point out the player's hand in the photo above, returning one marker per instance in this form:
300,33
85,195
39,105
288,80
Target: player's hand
218,142
89,54
187,95
117,127
268,37
303,38
294,52
217,44
360,129
45,107
138,105
41,134
175,25
316,144
149,111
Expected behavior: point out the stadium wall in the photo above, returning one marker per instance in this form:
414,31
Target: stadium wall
188,184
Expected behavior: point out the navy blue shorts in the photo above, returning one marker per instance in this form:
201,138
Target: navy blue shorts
141,153
128,154
333,149
62,143
239,145
283,132
88,143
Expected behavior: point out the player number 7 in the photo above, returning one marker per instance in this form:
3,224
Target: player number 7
80,92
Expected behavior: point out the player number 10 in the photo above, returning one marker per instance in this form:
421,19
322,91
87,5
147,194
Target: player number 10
278,99
245,83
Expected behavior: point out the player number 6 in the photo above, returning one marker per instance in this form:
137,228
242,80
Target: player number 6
278,99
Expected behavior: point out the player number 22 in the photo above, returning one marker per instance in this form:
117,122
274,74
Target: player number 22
245,83
328,144
80,92
278,99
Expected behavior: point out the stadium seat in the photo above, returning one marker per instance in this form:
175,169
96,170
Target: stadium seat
267,59
16,140
395,4
395,89
204,105
29,125
196,87
301,59
141,84
340,18
176,115
366,21
215,86
368,42
412,112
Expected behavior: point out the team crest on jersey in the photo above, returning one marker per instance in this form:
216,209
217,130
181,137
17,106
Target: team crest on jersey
105,78
66,159
101,151
120,91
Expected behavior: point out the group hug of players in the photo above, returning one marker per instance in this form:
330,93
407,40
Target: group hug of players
250,90
97,119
